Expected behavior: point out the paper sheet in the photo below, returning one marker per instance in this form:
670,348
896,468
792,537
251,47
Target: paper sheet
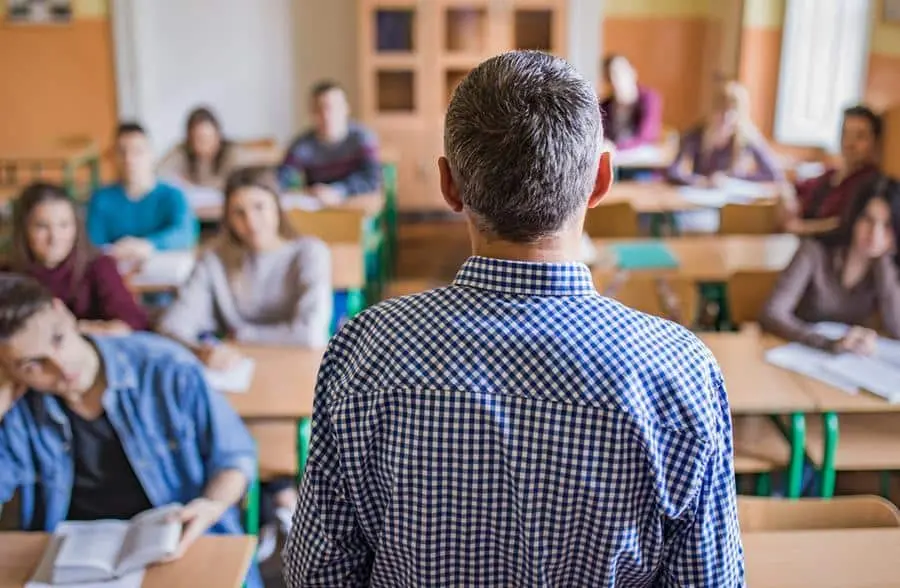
165,268
300,201
810,363
706,197
237,380
869,373
642,156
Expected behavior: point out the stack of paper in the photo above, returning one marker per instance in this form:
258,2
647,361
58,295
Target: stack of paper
236,380
164,269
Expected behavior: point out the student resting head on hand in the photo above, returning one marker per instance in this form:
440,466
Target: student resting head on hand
108,427
49,244
848,276
205,158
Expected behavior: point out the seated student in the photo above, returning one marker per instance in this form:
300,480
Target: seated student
49,244
632,114
727,144
109,427
846,276
139,214
338,158
827,196
206,158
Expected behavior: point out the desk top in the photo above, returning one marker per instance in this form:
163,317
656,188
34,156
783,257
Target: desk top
370,204
823,558
284,383
212,561
713,258
655,197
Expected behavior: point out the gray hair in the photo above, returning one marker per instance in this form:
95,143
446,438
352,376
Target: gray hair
523,139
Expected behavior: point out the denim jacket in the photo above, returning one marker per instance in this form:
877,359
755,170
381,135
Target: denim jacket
177,433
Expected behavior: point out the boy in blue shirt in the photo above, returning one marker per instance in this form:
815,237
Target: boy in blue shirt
107,428
139,215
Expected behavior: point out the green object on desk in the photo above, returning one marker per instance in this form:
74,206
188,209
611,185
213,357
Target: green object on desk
646,255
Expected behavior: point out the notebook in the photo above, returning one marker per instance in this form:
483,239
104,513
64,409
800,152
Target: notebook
112,554
236,380
643,255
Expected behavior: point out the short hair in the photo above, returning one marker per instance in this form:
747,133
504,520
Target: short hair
128,128
523,139
21,297
260,177
863,111
323,87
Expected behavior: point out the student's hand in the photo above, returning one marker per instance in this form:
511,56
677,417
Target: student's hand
326,194
132,249
197,517
10,392
718,179
218,357
114,328
858,340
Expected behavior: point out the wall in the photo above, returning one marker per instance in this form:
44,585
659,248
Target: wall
883,87
58,80
668,42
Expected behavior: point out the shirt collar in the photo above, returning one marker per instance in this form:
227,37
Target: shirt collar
119,370
524,278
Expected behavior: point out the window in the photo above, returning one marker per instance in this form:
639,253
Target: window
823,65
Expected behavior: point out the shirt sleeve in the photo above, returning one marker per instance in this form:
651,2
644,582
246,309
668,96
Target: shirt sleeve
779,313
887,287
180,225
766,166
95,223
326,547
115,300
649,126
367,177
12,469
705,549
312,313
688,151
193,311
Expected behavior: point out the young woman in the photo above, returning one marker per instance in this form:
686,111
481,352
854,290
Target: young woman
726,145
205,158
632,114
848,276
259,283
50,244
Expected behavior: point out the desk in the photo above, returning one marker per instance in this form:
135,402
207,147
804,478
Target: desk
212,561
370,204
655,197
823,558
713,258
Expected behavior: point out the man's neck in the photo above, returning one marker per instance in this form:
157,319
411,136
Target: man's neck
560,248
335,137
89,394
138,188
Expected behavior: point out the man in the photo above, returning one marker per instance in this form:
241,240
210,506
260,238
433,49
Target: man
338,158
107,428
516,428
139,215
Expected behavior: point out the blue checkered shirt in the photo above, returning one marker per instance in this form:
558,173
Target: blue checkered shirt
517,429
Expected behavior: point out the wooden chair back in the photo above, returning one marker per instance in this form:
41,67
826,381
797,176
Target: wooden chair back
759,218
747,294
332,225
807,514
617,221
672,297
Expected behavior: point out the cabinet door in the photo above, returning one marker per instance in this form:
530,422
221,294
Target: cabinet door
535,24
416,153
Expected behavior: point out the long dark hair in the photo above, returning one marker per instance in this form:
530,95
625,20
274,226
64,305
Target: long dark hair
196,117
885,188
22,258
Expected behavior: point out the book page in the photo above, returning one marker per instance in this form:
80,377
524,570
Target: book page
88,551
43,575
152,536
237,380
165,268
869,373
810,363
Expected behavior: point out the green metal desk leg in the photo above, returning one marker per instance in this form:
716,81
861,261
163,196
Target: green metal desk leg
251,508
829,473
304,429
798,455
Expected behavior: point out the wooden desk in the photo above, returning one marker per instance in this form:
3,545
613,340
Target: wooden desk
212,561
283,383
823,558
654,197
369,205
713,258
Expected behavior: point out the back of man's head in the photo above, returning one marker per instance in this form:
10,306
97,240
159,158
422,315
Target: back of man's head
21,298
523,139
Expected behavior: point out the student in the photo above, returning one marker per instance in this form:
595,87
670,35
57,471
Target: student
516,428
827,196
49,244
338,158
109,427
139,215
848,276
206,158
632,114
726,145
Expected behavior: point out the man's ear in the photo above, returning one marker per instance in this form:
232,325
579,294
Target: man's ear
604,180
449,189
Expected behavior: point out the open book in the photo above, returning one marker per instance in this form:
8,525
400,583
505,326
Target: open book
103,551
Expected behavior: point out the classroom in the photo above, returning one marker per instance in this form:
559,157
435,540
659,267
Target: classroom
552,293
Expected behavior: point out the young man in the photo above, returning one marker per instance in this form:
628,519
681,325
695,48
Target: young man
139,214
109,427
336,159
516,428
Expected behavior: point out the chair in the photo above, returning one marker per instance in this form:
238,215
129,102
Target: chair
759,449
671,297
747,293
617,220
761,218
263,151
332,225
807,514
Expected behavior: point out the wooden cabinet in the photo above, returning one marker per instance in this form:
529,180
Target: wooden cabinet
413,54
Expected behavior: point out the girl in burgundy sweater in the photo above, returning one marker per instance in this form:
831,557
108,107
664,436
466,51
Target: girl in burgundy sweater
49,244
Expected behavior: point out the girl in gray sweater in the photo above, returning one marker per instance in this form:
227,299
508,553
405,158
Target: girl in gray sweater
259,283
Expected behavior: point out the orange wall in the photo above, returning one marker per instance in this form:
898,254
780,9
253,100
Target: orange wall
57,80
